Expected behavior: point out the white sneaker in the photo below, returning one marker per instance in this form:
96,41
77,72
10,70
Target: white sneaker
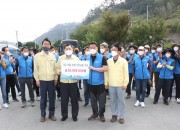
178,100
5,105
137,103
38,98
142,104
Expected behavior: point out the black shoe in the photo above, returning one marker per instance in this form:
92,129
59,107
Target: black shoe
102,118
15,100
74,118
64,118
86,104
147,95
80,99
166,102
155,101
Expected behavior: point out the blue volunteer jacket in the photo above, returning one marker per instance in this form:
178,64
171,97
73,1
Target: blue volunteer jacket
141,67
96,78
130,64
2,71
9,70
25,67
166,73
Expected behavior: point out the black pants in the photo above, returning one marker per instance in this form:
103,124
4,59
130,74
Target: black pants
97,95
177,80
27,81
128,90
156,79
69,90
10,83
47,88
165,85
171,88
148,87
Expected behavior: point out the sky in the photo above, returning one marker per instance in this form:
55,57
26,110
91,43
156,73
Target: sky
31,18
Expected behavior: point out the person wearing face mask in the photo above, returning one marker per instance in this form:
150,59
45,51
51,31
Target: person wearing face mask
157,57
53,51
69,88
98,65
176,48
104,50
24,70
10,76
116,79
45,75
3,82
76,53
130,59
149,54
85,86
141,74
123,52
166,66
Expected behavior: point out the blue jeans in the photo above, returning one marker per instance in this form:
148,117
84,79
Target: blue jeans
3,89
141,85
117,101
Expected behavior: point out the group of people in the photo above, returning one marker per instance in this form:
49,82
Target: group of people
111,72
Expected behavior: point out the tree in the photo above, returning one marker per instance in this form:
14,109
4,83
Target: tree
114,27
148,32
56,44
20,44
30,45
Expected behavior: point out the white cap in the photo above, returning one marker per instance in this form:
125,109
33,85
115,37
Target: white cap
147,46
141,48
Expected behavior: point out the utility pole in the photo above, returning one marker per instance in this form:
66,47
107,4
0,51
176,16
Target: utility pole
17,39
147,13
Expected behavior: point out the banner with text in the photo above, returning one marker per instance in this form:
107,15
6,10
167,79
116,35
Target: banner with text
73,69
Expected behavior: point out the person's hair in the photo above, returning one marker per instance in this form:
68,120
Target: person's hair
68,44
24,48
52,47
105,45
117,46
131,46
46,39
93,43
4,48
153,48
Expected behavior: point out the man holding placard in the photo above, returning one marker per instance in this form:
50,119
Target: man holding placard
68,83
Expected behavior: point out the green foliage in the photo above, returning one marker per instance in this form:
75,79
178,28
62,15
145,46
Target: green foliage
150,32
56,44
20,44
31,45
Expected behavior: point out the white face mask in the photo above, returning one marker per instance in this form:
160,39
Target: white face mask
68,52
153,51
87,53
8,53
93,51
141,53
176,48
146,50
122,49
168,55
53,52
26,53
102,51
159,49
114,53
132,51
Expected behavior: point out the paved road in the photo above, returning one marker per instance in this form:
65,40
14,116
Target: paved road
153,117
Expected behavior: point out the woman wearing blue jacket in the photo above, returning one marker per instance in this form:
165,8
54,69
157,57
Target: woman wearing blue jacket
3,84
166,66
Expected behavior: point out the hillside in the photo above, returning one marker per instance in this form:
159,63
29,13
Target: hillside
59,32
